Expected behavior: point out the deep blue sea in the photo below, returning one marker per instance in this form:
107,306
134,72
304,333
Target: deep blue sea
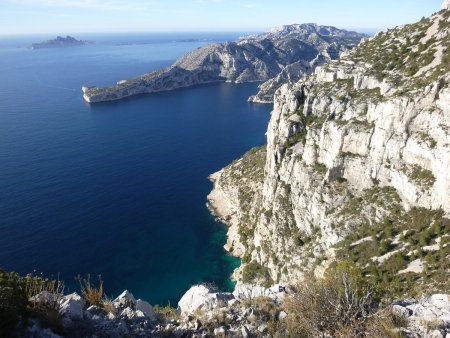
116,189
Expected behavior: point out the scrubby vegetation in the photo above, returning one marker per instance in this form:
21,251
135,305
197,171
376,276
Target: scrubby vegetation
35,298
255,271
305,123
404,56
166,312
386,247
19,302
420,176
92,293
342,304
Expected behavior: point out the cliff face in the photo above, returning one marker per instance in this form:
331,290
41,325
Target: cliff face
256,58
357,166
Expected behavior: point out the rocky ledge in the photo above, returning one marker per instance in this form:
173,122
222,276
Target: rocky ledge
295,49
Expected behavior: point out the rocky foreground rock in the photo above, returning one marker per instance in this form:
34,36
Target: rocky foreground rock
285,53
204,312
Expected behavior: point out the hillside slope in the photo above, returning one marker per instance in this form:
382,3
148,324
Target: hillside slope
255,58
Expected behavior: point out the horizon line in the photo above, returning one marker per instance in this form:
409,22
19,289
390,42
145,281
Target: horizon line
225,30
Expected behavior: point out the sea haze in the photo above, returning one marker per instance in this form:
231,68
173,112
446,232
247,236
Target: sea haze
116,189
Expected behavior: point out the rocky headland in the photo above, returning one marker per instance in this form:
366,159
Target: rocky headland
295,49
357,159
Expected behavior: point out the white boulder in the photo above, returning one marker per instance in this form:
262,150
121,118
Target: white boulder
249,291
126,299
71,306
201,297
146,309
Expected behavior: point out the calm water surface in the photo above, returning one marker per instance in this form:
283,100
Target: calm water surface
117,189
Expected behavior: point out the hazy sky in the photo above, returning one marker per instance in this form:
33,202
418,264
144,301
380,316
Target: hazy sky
74,16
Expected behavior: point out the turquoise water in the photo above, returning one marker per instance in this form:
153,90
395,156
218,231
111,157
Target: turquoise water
116,189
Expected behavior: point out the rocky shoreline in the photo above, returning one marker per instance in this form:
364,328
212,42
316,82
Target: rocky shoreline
220,205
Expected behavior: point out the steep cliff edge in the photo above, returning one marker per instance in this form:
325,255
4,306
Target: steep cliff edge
255,58
357,166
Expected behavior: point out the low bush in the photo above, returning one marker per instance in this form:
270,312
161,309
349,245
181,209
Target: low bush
166,313
341,304
92,293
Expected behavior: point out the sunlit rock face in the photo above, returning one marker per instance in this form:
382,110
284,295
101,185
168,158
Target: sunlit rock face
378,119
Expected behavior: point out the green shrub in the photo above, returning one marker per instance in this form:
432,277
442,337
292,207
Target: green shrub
254,271
13,302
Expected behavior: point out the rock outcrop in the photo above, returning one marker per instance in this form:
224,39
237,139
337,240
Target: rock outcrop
250,311
427,317
357,149
255,58
125,317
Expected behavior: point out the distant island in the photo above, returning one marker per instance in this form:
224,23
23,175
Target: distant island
60,42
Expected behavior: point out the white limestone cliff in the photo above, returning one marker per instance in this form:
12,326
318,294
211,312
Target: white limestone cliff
356,125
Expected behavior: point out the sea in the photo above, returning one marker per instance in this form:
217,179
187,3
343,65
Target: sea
117,190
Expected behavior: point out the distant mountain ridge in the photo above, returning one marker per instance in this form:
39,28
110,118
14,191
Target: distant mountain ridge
254,58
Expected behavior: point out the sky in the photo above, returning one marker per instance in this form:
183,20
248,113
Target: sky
84,16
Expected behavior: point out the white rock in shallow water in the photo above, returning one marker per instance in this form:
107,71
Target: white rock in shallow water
71,306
